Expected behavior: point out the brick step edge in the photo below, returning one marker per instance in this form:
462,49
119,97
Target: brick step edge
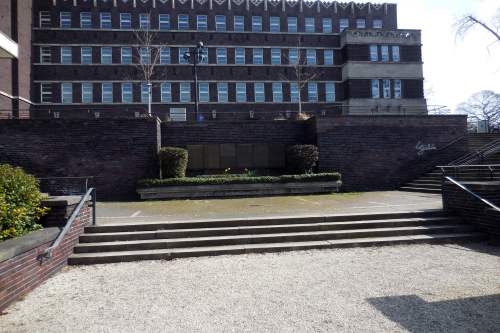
168,254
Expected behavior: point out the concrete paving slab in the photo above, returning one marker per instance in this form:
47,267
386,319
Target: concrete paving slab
313,205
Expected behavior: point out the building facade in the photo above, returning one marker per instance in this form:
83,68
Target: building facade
90,58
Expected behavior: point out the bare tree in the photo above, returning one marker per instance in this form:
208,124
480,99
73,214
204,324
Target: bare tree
147,55
483,105
301,73
467,22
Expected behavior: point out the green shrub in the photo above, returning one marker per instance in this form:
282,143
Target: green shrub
173,162
301,158
19,202
218,180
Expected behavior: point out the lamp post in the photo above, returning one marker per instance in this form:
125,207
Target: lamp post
198,55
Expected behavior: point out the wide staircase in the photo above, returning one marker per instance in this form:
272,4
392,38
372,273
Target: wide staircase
484,149
169,240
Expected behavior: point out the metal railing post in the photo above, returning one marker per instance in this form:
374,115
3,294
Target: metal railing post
94,199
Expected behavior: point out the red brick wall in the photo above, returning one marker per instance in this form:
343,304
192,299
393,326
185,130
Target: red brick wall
24,272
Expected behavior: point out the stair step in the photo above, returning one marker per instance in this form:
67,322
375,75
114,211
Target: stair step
420,189
193,224
124,256
259,229
424,185
266,238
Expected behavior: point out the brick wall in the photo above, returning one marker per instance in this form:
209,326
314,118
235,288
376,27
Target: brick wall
25,271
379,152
117,152
471,209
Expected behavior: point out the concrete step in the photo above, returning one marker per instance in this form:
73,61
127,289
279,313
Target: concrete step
424,185
420,189
243,222
268,238
166,254
262,229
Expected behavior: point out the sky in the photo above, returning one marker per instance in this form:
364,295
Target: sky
454,68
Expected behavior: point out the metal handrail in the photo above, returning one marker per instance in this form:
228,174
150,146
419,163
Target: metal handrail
492,206
485,151
90,193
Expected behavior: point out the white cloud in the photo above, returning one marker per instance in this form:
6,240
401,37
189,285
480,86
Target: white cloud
453,68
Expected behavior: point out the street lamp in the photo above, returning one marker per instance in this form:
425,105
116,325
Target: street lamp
198,54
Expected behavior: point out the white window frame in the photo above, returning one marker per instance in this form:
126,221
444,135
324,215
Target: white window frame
66,56
330,92
220,23
222,92
277,88
145,54
86,57
292,22
203,92
45,55
67,93
274,24
221,55
87,94
182,22
239,56
181,59
386,88
328,57
237,25
294,92
127,92
275,56
375,88
144,93
259,94
343,23
311,58
312,92
257,53
396,56
86,20
398,89
374,53
144,21
165,56
384,53
45,93
241,92
360,23
164,22
185,92
106,94
125,21
257,23
106,58
126,55
44,19
377,24
293,56
309,24
105,20
327,25
65,20
166,92
201,22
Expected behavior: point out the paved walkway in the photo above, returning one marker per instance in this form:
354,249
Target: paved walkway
418,288
342,203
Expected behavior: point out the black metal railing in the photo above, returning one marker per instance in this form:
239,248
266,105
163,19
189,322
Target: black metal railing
465,189
66,185
91,193
478,172
480,155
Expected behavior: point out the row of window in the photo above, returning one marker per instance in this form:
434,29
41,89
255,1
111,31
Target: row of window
277,56
381,53
382,88
87,92
202,23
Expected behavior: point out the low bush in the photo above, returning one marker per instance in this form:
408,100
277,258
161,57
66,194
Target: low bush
19,202
301,158
334,176
173,162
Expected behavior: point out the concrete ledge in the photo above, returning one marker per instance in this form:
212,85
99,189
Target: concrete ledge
13,247
236,190
57,201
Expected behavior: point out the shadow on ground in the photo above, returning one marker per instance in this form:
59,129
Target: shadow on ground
473,314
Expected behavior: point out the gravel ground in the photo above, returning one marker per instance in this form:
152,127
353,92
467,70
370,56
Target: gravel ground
418,288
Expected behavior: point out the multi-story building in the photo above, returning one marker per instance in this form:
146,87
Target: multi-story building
352,58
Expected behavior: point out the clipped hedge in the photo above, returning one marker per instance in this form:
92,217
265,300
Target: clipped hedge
19,202
173,162
319,177
301,158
